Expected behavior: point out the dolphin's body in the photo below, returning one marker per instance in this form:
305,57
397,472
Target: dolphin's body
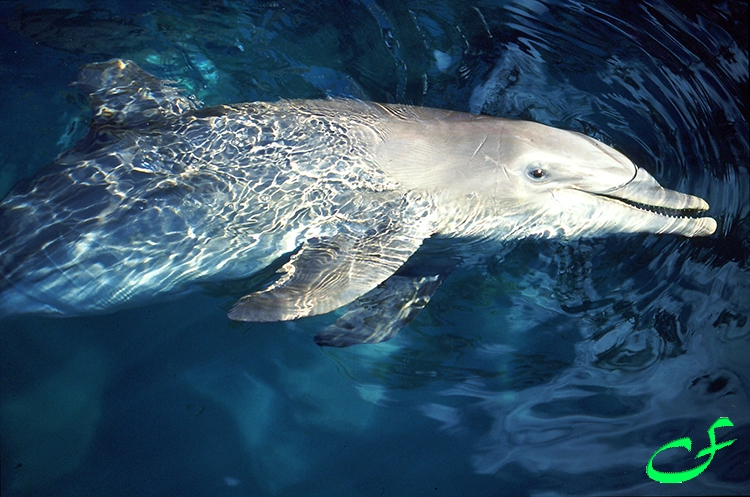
162,193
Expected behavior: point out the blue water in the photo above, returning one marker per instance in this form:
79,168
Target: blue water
555,368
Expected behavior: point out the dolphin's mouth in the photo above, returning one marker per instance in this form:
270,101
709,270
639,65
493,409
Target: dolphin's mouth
659,210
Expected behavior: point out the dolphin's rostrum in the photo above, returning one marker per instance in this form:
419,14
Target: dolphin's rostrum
162,193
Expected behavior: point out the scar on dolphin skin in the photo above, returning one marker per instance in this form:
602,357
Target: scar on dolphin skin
163,195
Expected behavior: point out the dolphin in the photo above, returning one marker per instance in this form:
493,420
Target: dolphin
163,194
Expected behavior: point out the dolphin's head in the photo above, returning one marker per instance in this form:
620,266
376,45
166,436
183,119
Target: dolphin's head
512,179
581,187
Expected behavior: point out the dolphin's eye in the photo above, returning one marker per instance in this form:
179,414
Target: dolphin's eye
536,173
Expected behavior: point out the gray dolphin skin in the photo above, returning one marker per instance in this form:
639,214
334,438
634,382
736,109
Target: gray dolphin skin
163,195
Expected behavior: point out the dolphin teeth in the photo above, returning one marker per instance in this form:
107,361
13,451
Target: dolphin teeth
660,210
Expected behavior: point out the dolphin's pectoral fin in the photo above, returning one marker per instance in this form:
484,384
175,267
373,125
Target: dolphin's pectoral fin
381,313
124,95
328,273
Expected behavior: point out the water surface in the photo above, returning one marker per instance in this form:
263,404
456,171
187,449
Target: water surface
552,368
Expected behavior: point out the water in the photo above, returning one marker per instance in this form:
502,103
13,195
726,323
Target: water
552,369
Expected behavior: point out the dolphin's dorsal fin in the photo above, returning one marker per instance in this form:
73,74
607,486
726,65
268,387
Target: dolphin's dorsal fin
123,94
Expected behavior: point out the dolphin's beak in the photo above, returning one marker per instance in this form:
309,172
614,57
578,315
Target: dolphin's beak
662,210
644,189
